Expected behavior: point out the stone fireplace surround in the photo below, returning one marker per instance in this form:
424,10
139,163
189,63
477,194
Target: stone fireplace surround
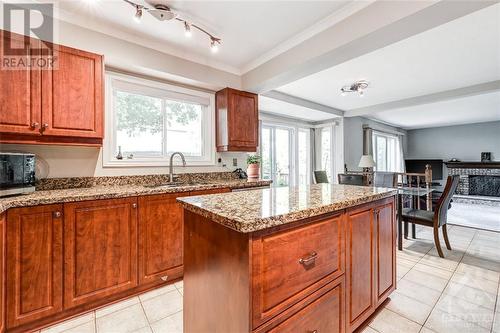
467,169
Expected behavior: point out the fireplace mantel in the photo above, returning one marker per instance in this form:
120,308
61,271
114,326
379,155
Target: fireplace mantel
473,165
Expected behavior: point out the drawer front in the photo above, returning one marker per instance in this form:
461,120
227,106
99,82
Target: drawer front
323,315
290,265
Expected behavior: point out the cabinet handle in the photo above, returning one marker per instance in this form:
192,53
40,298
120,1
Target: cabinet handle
134,205
56,214
164,277
35,125
310,259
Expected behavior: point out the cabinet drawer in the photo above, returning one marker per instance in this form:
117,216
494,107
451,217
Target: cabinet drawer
323,315
290,265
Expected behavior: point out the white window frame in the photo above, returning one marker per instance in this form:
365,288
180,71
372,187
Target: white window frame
161,90
336,147
275,122
397,158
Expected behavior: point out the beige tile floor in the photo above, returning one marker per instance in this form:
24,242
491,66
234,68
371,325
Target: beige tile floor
457,294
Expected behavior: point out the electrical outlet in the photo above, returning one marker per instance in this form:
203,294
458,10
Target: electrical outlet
235,162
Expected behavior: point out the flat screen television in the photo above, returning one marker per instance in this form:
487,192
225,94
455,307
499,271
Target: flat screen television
418,166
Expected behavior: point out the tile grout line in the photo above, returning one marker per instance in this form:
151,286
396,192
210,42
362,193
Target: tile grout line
448,282
495,308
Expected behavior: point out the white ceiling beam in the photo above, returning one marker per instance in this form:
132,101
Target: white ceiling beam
378,25
478,89
302,102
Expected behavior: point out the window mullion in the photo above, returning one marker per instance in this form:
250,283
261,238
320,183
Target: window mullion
164,131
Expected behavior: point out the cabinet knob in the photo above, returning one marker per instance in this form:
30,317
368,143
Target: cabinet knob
164,277
315,331
57,214
34,125
134,205
309,259
44,126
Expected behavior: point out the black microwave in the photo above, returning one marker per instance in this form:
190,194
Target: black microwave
17,173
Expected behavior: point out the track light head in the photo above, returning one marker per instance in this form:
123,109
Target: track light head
187,29
138,14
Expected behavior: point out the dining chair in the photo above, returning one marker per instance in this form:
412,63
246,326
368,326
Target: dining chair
348,179
436,218
385,179
320,176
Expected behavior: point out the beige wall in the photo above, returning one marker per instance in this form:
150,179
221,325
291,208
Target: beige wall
66,161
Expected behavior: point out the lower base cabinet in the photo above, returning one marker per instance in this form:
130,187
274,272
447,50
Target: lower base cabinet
34,263
100,250
65,259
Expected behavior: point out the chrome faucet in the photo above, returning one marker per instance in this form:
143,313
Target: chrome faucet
171,166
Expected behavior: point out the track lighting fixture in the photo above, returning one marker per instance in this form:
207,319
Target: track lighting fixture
164,13
358,87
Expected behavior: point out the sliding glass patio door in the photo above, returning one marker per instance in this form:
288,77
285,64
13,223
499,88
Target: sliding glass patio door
276,150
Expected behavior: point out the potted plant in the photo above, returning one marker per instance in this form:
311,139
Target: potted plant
253,169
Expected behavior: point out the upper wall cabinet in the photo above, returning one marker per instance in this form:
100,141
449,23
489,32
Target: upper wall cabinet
61,105
20,94
237,120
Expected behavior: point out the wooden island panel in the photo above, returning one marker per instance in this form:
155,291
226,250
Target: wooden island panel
256,282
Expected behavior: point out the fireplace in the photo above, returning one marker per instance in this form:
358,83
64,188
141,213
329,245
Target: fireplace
487,185
477,179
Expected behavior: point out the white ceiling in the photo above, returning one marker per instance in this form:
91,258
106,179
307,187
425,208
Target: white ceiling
474,109
248,28
461,53
290,110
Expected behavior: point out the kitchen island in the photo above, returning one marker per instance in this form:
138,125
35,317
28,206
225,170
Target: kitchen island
319,258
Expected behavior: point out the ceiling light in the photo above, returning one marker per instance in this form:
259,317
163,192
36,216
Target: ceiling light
138,14
358,86
187,29
164,13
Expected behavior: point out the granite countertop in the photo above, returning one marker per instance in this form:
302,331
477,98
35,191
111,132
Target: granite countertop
110,191
264,208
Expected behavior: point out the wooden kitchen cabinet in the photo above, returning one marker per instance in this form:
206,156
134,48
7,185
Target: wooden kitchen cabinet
325,314
3,223
385,225
237,120
360,270
62,105
34,263
160,238
20,96
371,270
100,249
72,103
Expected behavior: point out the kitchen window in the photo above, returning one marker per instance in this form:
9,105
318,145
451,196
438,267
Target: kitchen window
147,121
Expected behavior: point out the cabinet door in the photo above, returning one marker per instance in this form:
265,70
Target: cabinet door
160,238
360,266
243,120
386,251
73,95
20,95
34,263
100,249
2,270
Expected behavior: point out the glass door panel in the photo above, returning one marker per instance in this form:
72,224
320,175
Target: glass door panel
266,151
282,153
